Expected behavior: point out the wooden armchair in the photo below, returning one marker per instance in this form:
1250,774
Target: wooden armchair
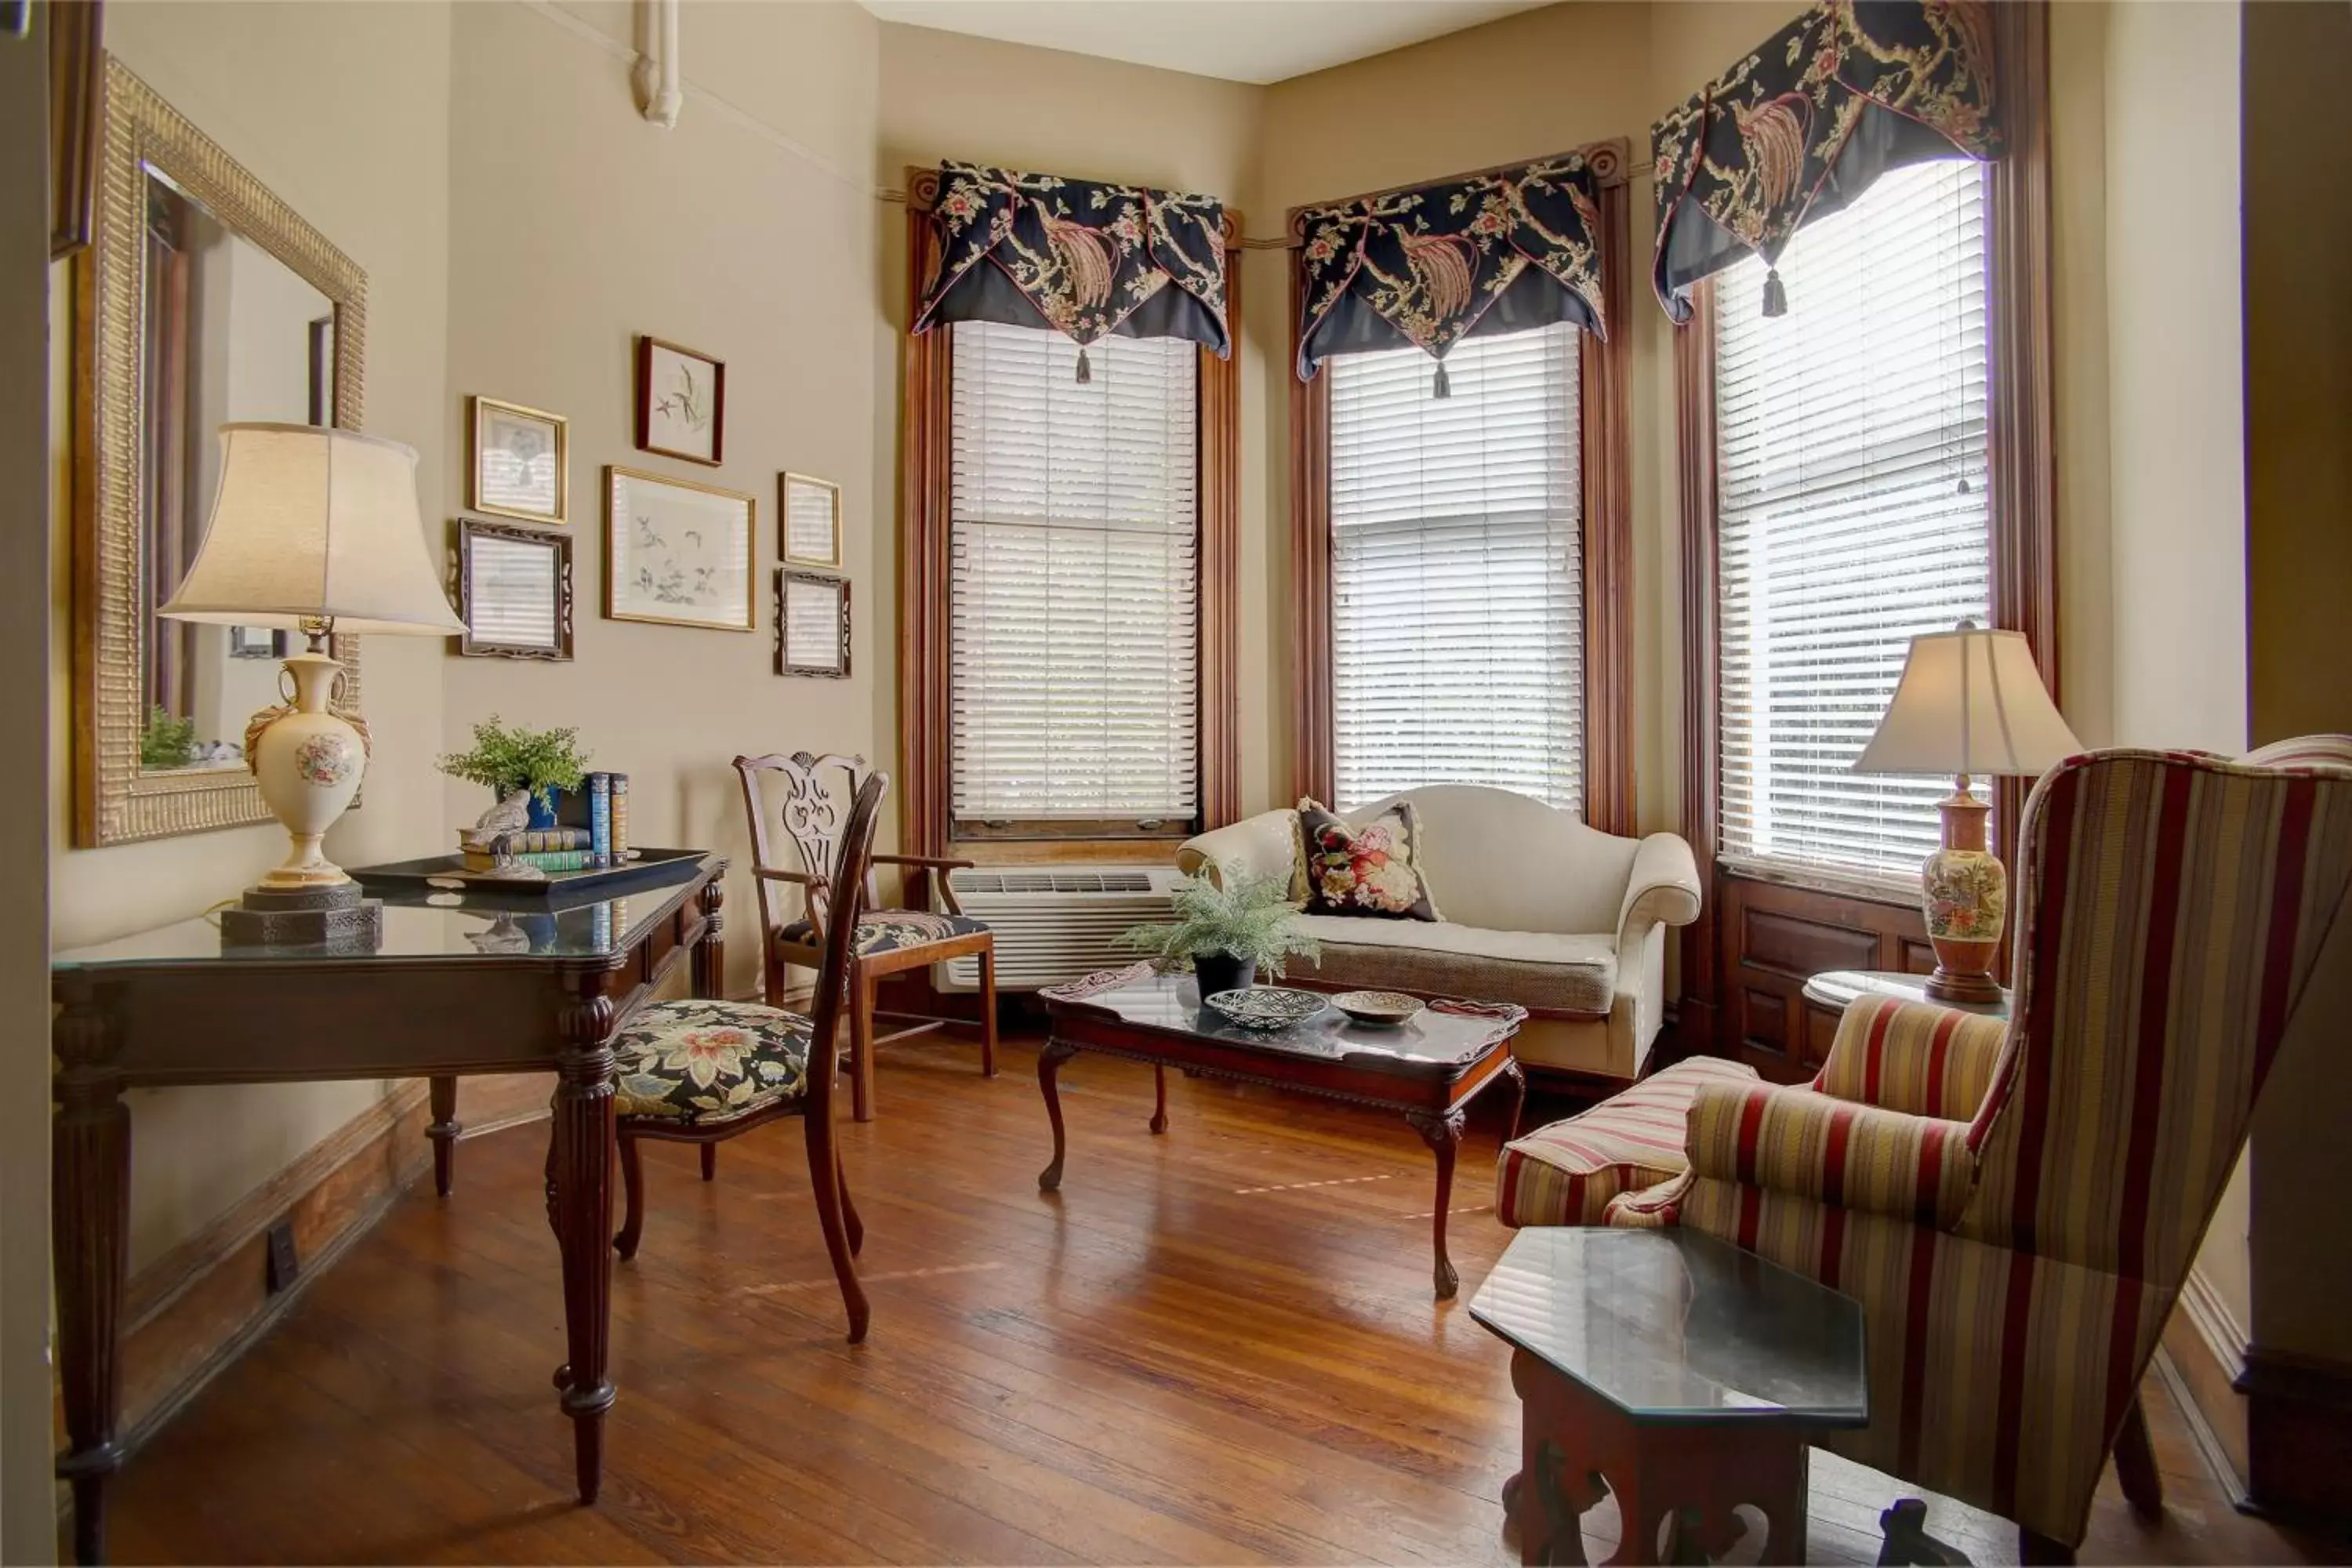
815,790
702,1071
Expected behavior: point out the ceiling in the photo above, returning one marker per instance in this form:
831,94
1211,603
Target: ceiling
1256,41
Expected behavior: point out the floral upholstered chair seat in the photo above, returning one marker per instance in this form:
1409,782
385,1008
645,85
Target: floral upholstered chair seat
697,1061
886,931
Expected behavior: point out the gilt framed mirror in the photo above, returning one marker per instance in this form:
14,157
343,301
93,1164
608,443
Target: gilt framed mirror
202,297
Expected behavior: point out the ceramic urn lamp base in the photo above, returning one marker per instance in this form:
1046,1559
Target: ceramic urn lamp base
1965,892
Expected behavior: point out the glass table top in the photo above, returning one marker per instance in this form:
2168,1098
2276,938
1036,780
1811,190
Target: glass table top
1676,1325
437,925
1440,1035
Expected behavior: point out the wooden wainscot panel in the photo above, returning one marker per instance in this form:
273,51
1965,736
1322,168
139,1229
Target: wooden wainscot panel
1774,938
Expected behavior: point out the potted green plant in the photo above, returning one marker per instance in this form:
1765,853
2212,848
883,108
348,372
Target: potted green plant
505,758
1228,932
165,741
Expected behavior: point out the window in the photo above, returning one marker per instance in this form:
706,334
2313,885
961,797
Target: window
1073,586
1457,569
1851,513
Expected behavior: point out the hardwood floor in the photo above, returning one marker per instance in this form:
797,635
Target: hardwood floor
1217,1345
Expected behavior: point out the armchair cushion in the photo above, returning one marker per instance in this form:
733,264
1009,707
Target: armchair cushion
1913,1057
1837,1154
699,1061
1571,1172
890,931
1364,870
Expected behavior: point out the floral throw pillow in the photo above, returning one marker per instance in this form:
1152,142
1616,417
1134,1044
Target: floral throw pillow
1368,868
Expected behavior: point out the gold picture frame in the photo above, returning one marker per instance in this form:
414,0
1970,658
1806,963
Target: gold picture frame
807,506
508,493
665,567
117,800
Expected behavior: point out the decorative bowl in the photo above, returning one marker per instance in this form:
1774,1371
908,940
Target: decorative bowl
1266,1007
1382,1009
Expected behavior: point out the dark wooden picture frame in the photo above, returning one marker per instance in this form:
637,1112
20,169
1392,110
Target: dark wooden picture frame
471,532
647,402
839,587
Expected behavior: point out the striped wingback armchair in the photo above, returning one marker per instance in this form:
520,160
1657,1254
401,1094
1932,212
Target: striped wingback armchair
2017,1205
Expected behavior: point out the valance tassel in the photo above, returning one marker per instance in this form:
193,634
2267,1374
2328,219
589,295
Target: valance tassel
1775,298
1086,369
1439,387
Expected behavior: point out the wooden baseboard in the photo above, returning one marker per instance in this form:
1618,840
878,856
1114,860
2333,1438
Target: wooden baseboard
2298,1437
194,1310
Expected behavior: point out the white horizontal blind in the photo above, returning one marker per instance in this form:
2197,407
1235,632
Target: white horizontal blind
1073,579
1851,443
1457,636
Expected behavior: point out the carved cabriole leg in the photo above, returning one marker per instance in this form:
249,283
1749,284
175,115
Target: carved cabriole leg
633,1185
580,1204
1158,1097
1049,1064
988,1011
710,958
848,1210
89,1216
443,1129
1442,1131
1518,1080
825,1178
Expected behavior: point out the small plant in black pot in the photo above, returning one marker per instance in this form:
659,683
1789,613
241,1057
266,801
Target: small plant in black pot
1226,931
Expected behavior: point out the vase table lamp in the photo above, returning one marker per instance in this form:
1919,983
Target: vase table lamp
1971,701
315,529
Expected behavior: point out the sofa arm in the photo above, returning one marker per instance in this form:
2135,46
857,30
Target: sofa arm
1261,845
1662,889
1913,1057
1793,1141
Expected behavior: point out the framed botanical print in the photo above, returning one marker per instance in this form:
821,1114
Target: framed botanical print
678,552
518,461
812,624
681,402
514,591
810,532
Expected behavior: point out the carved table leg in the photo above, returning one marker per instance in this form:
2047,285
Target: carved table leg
709,957
89,1215
1158,1097
1442,1131
1518,1080
580,1204
443,1129
1049,1064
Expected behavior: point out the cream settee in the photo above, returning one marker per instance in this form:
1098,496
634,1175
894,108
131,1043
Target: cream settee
1537,909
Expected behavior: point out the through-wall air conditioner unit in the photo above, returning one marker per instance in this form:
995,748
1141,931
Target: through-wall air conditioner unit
1055,923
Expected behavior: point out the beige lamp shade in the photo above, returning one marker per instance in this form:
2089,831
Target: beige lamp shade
310,521
1971,701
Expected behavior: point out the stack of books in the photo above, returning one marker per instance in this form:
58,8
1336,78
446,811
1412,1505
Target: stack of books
548,848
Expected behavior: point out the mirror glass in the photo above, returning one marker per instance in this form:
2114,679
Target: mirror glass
228,331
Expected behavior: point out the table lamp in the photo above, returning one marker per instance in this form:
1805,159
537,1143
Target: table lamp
315,529
1971,701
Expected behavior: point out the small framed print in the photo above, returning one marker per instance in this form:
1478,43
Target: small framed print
812,624
518,461
677,552
811,532
681,402
514,591
256,642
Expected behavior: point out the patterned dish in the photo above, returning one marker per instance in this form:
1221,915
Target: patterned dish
1266,1007
1386,1009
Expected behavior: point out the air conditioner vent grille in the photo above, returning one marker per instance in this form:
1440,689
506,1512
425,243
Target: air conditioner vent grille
1116,882
1056,924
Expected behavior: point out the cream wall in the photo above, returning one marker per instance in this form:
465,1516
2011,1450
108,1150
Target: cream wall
343,110
944,95
747,232
28,1512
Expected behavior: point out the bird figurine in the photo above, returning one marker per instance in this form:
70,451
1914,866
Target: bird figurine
493,835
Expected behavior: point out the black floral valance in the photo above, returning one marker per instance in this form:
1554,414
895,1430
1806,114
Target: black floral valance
1804,124
1084,259
1489,253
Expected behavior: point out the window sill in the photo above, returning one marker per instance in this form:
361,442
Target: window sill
1893,891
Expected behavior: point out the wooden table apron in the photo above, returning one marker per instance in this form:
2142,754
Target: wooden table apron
1434,1100
140,1025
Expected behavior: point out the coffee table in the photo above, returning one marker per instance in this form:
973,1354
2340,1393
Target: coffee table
1428,1071
1676,1371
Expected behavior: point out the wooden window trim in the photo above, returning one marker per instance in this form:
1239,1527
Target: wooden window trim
925,508
2024,567
1606,475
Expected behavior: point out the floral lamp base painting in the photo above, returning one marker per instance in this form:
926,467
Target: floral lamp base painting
1965,892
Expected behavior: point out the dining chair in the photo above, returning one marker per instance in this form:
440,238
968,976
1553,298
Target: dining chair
702,1071
815,790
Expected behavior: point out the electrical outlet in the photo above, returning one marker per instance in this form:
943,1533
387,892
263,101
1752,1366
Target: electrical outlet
284,1265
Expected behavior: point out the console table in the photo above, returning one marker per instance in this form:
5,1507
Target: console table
457,988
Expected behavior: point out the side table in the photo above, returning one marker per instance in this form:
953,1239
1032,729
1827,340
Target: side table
1835,988
1677,1372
